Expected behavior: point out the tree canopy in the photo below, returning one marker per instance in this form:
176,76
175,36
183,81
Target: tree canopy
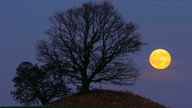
36,84
91,44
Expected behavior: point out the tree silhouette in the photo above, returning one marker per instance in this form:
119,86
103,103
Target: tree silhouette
91,44
34,84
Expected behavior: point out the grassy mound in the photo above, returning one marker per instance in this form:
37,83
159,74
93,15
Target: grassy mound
107,98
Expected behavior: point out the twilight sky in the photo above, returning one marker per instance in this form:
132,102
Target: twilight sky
163,24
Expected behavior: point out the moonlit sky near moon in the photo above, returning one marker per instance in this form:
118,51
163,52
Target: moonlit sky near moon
163,24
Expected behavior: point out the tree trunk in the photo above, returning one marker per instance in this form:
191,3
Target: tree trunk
44,100
85,86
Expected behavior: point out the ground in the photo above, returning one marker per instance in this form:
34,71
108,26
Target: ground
107,98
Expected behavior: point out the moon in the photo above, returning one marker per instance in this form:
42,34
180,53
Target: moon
160,59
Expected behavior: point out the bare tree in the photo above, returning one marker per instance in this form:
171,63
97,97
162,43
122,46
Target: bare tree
38,84
89,44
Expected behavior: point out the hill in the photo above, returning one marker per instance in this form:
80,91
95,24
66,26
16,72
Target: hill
107,98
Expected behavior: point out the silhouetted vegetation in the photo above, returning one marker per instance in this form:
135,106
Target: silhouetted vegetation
88,44
36,84
91,44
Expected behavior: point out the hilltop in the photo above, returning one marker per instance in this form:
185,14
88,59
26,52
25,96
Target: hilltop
107,98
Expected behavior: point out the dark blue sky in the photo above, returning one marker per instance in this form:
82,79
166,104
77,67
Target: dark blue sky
163,24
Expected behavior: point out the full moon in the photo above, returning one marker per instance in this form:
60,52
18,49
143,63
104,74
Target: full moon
160,59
